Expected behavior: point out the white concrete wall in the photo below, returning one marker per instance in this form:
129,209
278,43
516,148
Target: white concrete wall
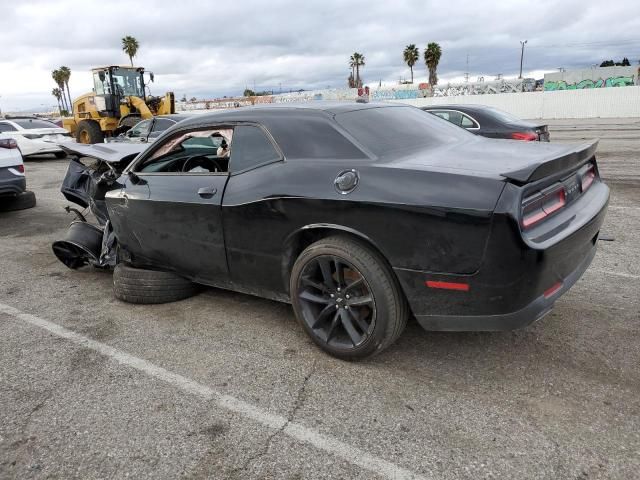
622,102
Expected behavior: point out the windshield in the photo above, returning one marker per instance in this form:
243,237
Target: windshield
392,129
34,123
125,83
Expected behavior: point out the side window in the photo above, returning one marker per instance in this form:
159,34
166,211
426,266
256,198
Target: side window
251,148
140,130
312,138
161,124
5,127
200,151
468,122
455,118
438,113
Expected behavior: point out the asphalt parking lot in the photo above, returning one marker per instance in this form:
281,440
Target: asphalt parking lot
225,385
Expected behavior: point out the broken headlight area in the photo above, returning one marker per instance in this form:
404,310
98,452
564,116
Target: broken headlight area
86,182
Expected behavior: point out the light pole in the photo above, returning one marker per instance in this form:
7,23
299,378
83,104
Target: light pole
522,55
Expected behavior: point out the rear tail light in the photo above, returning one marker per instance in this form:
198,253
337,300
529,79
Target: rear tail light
8,143
539,206
20,168
587,178
463,287
526,136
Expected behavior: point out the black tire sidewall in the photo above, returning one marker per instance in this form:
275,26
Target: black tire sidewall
21,201
136,285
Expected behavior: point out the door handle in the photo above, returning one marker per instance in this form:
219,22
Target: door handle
207,192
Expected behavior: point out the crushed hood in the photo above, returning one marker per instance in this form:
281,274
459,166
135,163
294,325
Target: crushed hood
107,152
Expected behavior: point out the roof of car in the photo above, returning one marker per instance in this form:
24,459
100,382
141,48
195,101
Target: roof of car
276,109
176,116
472,107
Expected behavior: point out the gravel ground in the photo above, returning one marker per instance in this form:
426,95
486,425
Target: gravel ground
225,385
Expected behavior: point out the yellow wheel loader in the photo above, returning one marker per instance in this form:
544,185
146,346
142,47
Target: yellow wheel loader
118,101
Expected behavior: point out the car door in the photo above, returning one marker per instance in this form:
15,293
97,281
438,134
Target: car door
249,218
169,218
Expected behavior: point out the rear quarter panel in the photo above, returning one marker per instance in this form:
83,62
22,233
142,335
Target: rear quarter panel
419,220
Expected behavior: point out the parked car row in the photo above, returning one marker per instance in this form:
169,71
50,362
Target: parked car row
35,136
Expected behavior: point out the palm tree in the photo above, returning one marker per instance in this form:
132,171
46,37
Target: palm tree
411,55
357,61
432,56
352,78
56,92
65,72
130,46
57,77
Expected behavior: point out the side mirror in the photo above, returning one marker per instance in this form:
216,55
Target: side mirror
151,76
101,76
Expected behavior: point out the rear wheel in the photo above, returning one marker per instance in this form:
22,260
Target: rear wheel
22,201
137,285
89,132
347,298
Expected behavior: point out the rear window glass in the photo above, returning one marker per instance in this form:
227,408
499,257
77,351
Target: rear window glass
29,123
502,115
302,136
392,129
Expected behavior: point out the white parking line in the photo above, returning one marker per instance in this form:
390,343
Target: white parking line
297,431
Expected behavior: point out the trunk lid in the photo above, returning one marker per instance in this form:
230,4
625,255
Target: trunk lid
518,162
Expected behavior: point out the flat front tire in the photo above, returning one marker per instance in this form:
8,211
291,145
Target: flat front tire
137,285
347,298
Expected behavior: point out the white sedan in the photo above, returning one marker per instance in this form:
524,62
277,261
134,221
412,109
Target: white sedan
13,186
34,136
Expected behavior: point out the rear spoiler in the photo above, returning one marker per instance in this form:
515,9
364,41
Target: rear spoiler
109,152
574,156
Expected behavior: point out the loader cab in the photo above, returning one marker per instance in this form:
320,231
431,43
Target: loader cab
112,84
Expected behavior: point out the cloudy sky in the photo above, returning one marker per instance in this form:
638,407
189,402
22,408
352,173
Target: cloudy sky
206,49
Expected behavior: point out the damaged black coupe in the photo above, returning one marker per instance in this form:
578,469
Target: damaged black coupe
360,215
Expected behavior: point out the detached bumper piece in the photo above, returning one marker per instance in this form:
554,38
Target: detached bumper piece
82,245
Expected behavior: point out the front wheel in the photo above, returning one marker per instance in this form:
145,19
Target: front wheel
347,298
88,132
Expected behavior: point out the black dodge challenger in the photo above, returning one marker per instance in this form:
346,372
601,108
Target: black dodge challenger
360,215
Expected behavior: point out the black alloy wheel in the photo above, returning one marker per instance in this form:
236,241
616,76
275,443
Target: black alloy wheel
347,298
336,301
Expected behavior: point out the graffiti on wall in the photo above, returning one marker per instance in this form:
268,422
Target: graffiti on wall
620,81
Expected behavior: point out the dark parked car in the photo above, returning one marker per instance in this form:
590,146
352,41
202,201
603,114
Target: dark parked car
490,122
150,129
360,215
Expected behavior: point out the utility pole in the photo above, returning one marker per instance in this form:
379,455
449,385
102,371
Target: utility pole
522,56
466,74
